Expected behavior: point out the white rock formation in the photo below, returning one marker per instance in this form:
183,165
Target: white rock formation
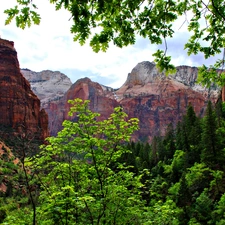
146,72
47,85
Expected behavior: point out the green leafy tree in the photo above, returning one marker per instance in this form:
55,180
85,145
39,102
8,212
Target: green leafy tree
219,212
184,196
184,199
164,213
82,180
217,185
178,165
120,21
197,177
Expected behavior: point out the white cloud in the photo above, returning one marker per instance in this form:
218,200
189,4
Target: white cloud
50,46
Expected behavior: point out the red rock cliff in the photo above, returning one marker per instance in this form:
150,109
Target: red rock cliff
19,106
150,96
84,89
157,100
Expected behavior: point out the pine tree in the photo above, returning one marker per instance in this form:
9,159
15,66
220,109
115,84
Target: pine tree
188,134
169,143
210,142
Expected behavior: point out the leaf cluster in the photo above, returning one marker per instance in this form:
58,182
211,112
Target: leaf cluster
91,173
101,22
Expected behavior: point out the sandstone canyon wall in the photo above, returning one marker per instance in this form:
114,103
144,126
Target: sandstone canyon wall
156,100
98,95
19,106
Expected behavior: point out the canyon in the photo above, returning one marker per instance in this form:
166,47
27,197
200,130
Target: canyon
37,102
155,99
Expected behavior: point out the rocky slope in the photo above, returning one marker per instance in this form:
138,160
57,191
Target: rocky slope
152,97
47,85
19,106
6,174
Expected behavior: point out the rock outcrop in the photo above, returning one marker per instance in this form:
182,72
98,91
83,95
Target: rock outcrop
101,101
19,106
47,85
146,73
157,100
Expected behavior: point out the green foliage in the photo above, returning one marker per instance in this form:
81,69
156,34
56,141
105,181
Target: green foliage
219,213
81,177
210,140
91,173
210,75
203,207
188,134
120,21
25,15
163,213
18,216
198,176
178,164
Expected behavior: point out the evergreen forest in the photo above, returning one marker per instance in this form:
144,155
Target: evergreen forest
92,173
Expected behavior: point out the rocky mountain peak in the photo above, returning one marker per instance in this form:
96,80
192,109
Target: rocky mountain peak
186,75
47,85
144,72
154,98
44,75
145,78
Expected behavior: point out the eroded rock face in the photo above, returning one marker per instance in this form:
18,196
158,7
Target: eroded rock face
19,106
47,85
155,99
159,104
145,73
85,89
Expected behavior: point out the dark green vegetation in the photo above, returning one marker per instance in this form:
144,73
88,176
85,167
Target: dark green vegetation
23,144
91,173
121,21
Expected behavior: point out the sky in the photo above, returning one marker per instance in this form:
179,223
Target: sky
50,46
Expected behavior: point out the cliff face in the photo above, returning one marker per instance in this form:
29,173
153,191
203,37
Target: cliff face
155,99
158,100
146,73
98,95
19,106
47,85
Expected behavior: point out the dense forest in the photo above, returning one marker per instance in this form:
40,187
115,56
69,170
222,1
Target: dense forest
91,173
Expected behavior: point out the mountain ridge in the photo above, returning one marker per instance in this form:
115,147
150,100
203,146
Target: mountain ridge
155,99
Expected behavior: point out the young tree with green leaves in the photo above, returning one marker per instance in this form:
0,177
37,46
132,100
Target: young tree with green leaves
120,21
82,180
